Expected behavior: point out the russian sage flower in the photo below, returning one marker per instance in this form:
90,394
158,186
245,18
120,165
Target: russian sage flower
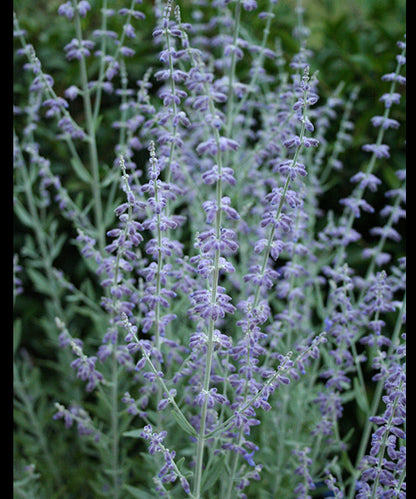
383,469
227,321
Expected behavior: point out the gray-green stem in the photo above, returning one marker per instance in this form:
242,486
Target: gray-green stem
92,145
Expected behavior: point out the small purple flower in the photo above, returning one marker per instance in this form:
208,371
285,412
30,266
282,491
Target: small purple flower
211,147
212,398
394,77
276,247
386,232
212,176
208,241
67,10
282,222
389,99
380,151
291,198
249,5
164,402
328,324
267,277
132,408
83,7
78,49
65,414
129,31
135,13
355,205
155,439
68,128
294,141
310,142
384,122
185,485
80,417
85,367
249,458
211,209
365,180
168,472
72,92
292,169
55,106
203,306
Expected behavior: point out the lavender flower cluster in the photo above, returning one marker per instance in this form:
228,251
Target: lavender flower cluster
214,325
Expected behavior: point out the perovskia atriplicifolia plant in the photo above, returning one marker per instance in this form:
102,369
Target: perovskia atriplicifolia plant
206,327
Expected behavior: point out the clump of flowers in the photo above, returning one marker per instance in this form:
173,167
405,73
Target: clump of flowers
205,318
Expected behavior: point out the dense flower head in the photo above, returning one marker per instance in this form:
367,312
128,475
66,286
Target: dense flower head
303,470
382,470
78,415
84,365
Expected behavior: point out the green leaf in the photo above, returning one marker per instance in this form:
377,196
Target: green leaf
110,177
87,312
348,396
57,246
133,433
40,282
349,435
17,333
81,171
183,423
29,248
179,463
98,121
139,493
346,463
73,298
360,396
216,472
87,288
22,214
389,175
109,214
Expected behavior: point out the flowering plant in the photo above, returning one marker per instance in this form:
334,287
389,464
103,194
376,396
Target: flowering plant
215,322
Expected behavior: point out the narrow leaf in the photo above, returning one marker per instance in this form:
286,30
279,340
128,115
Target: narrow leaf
22,214
133,433
81,171
17,332
40,282
139,493
183,423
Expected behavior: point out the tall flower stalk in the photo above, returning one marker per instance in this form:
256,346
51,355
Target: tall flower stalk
217,244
